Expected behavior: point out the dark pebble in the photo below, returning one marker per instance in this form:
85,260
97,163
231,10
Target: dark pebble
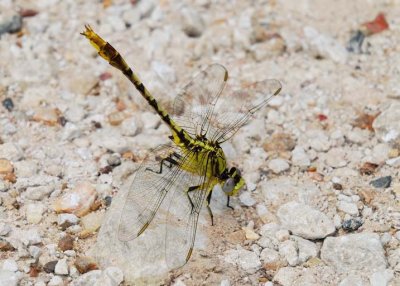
337,186
352,224
8,104
66,243
108,200
11,24
383,182
50,266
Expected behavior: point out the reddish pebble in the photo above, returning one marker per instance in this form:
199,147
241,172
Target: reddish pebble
28,13
377,25
66,243
105,75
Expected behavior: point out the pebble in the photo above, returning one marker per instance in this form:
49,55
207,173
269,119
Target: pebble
386,124
35,251
335,158
381,278
394,162
85,264
5,245
10,151
225,282
66,220
10,23
250,234
192,22
278,165
247,199
114,160
383,182
55,281
66,243
304,221
50,266
31,237
25,168
77,201
279,142
9,278
6,167
306,249
8,104
61,267
269,256
268,49
91,222
111,276
352,224
352,280
4,229
10,265
386,238
359,251
282,234
38,193
245,259
47,115
325,46
288,250
131,126
349,208
34,212
300,157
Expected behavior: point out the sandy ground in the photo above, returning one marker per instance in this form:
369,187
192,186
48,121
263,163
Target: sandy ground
321,161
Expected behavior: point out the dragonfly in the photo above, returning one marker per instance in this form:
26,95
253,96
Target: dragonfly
185,171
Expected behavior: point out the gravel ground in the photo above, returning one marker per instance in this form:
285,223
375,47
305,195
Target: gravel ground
322,162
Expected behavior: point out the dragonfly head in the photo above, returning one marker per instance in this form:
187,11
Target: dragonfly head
233,182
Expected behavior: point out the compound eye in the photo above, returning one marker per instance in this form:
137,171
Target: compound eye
228,185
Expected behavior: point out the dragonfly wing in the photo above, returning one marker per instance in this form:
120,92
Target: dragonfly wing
193,106
182,217
153,180
235,110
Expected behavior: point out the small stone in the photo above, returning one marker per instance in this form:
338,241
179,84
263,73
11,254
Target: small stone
4,229
279,142
246,199
386,238
288,250
336,158
5,245
131,126
337,186
8,104
352,224
50,266
274,47
250,234
300,157
386,124
278,165
92,222
116,118
349,208
9,278
10,265
55,281
85,264
46,115
245,259
269,256
352,280
304,221
225,282
282,234
38,193
381,277
307,249
66,220
10,151
77,201
368,168
394,162
10,23
35,251
114,160
34,213
192,23
31,237
112,276
66,243
383,182
61,267
318,140
6,167
360,251
325,46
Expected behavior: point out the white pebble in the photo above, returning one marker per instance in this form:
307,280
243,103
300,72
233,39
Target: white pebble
278,165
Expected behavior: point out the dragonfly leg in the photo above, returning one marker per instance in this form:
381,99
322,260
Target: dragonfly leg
169,159
209,209
227,203
191,189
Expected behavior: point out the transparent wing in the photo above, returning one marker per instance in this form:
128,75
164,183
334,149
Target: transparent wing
193,106
183,215
201,109
234,110
153,180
